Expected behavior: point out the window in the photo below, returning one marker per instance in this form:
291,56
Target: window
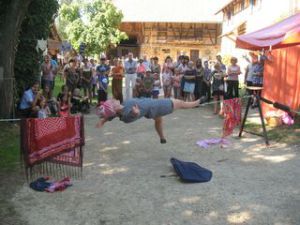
161,36
242,28
237,8
166,51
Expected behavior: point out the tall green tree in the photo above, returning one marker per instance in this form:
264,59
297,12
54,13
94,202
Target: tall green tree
95,24
12,14
35,26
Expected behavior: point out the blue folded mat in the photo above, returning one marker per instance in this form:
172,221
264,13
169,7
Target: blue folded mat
191,172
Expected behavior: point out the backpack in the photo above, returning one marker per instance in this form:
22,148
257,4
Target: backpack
191,172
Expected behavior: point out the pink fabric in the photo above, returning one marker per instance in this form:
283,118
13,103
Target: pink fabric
212,141
283,34
106,110
56,139
49,137
59,185
232,112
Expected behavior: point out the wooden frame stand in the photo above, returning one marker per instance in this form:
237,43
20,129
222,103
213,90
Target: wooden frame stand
258,100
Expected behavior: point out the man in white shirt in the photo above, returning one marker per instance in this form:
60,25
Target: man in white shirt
130,74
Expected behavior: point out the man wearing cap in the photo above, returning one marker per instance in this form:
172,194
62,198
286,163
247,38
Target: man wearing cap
102,71
130,74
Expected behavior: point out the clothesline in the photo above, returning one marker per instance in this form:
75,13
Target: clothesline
201,105
213,102
7,78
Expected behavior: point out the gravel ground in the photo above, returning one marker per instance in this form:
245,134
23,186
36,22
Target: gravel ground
122,183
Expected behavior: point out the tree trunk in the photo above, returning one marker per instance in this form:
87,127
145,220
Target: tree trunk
9,33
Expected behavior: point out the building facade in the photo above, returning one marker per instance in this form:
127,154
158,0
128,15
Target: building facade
169,28
245,16
170,39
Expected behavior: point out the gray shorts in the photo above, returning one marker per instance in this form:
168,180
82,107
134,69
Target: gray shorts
160,107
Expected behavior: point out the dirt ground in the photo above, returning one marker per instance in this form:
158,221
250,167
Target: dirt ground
122,179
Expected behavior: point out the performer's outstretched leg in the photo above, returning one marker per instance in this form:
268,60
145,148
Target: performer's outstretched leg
159,129
179,104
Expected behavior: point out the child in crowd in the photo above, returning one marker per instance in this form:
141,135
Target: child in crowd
79,103
176,80
167,81
50,101
141,69
155,67
139,89
65,106
44,110
148,83
189,84
218,87
156,86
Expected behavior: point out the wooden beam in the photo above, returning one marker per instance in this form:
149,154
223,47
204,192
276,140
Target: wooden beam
216,36
180,32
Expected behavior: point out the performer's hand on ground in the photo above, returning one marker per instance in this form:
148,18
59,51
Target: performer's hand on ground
100,123
135,110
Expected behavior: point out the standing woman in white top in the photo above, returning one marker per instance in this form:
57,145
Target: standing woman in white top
233,73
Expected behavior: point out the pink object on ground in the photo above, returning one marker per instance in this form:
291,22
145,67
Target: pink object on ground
287,119
59,185
213,141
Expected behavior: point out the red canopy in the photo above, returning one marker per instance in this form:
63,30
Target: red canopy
283,34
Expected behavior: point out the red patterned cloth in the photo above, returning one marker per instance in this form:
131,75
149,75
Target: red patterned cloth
54,139
232,112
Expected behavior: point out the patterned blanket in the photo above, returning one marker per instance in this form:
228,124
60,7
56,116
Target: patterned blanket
56,139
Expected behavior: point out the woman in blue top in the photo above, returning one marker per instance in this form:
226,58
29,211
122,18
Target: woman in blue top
133,109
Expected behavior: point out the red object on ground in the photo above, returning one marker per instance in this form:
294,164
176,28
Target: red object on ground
280,35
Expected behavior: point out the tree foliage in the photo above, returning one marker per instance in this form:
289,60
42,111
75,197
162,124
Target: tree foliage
36,26
95,24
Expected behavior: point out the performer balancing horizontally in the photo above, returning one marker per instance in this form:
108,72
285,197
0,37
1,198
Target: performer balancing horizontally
133,109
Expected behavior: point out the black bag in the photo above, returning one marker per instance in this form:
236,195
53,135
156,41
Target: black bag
191,172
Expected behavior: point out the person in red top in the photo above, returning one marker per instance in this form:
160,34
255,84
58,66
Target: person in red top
117,73
141,69
64,101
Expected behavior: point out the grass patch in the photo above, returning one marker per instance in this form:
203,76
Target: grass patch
10,145
283,134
